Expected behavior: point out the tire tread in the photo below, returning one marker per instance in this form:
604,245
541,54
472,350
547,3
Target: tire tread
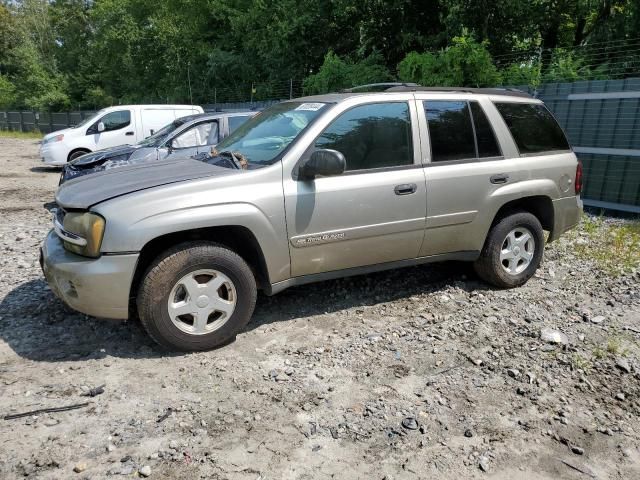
165,266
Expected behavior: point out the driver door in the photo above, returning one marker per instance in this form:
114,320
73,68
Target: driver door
375,211
118,130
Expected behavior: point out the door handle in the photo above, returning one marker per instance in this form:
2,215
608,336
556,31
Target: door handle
499,178
405,189
129,134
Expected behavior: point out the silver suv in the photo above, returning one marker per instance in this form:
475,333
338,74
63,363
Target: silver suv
312,189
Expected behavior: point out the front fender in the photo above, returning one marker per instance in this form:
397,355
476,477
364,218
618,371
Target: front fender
270,236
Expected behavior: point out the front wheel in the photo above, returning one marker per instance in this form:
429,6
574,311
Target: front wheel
512,251
76,154
196,296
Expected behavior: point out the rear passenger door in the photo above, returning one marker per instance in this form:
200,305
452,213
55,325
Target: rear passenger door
465,163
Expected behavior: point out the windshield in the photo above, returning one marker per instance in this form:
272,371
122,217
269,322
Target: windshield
159,137
263,138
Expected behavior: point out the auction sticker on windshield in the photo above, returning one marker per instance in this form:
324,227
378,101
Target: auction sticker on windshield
311,107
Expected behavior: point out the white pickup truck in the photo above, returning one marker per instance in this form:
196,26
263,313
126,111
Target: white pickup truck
110,127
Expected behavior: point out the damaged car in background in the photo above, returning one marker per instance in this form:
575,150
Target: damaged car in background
182,138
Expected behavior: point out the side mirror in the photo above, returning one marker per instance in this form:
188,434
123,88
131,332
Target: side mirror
101,127
323,163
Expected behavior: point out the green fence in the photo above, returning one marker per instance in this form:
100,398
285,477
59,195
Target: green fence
602,121
45,122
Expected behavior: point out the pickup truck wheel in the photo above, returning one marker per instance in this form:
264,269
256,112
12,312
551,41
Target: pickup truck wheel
196,296
512,251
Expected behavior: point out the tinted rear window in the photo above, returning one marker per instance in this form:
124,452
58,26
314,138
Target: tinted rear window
455,135
533,127
487,143
450,130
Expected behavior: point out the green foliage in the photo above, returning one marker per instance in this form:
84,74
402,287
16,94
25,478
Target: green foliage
612,247
35,135
7,92
568,67
466,63
529,74
336,74
96,97
61,53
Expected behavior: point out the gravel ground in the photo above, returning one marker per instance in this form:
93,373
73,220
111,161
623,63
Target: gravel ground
417,373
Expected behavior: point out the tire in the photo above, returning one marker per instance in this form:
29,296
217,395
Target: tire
502,264
77,154
196,267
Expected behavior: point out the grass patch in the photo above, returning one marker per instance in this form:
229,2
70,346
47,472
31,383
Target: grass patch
578,362
615,247
616,345
24,135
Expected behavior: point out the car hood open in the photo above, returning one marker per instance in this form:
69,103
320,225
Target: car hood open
86,191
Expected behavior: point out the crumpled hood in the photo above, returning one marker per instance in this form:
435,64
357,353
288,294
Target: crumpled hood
108,158
88,190
101,155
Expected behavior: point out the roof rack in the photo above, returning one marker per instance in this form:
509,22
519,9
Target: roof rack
378,87
513,92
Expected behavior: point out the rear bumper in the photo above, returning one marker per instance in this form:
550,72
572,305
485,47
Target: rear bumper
567,212
98,287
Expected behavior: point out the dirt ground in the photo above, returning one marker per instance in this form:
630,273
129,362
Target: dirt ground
418,373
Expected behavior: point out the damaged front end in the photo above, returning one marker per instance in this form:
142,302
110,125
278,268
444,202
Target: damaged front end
105,160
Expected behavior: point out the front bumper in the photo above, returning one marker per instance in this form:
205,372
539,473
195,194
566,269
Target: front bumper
566,215
53,154
98,287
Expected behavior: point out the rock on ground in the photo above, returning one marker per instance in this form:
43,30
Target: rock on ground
320,382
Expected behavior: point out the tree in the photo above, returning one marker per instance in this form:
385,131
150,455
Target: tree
7,92
465,63
336,74
58,53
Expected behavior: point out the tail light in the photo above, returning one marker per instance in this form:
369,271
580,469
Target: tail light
578,182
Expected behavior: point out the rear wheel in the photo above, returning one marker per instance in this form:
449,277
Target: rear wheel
196,296
512,251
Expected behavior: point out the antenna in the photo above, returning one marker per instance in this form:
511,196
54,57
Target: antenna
189,80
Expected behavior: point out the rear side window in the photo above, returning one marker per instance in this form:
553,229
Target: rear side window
533,127
370,136
459,130
450,130
487,143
